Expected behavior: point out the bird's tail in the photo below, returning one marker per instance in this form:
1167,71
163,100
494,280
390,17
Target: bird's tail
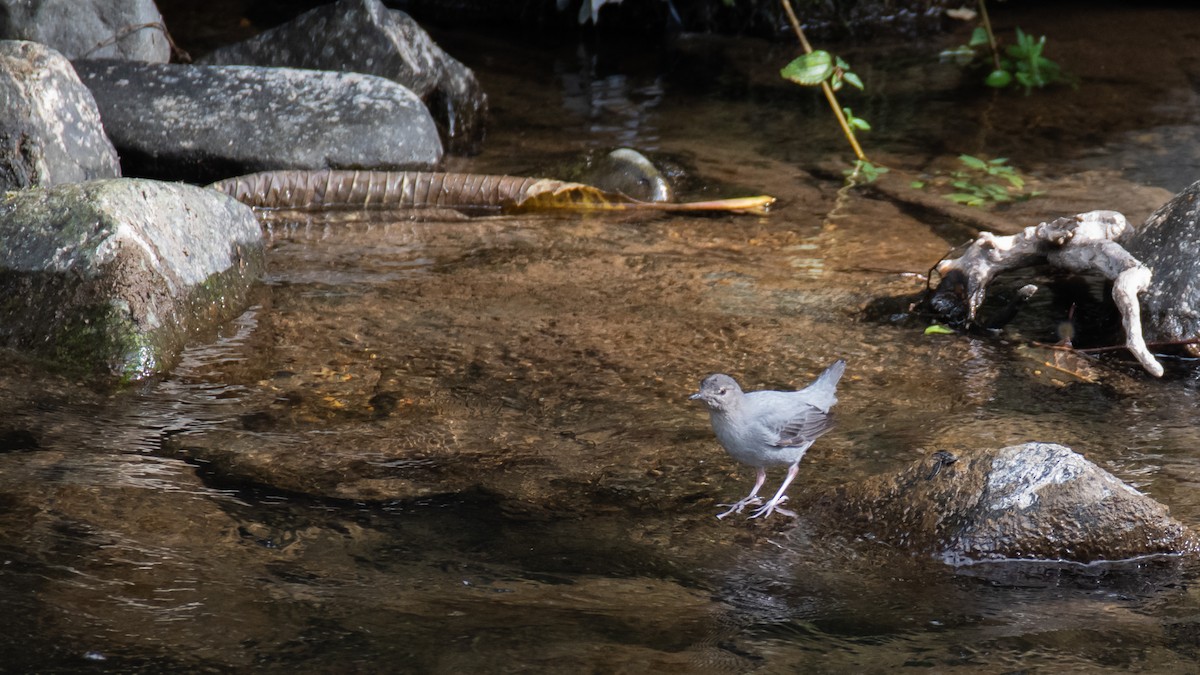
824,389
833,373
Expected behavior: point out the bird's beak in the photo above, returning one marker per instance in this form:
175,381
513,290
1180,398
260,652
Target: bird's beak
696,396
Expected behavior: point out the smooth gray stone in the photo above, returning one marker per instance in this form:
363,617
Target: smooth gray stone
50,131
363,36
204,123
95,29
109,278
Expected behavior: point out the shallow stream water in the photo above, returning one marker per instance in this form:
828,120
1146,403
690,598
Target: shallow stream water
466,446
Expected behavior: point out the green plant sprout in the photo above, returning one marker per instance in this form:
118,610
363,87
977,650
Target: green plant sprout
831,73
981,181
1026,64
1023,63
868,171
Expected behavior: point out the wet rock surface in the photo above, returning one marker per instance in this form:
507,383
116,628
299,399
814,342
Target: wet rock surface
1169,244
204,123
109,278
1036,501
363,36
50,132
98,29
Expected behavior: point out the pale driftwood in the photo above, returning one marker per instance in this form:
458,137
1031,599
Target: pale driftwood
1088,242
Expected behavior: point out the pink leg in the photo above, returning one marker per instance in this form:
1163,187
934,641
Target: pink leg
753,498
779,498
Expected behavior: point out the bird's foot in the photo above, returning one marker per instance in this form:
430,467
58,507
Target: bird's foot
752,500
773,506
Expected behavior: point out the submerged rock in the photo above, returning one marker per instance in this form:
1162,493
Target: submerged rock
628,172
363,36
204,123
125,29
109,278
1169,244
50,132
1036,501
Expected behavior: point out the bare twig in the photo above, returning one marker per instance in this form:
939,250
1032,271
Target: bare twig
126,31
825,87
1113,348
987,26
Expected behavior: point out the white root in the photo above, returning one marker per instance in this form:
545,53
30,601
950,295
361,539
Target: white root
1088,242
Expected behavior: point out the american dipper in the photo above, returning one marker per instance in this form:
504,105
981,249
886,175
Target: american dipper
769,428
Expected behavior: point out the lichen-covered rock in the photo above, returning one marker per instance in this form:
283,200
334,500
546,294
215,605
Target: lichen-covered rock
1169,244
363,36
1036,501
98,29
204,123
109,278
50,131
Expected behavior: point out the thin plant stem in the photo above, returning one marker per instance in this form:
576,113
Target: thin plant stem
829,95
987,27
1113,348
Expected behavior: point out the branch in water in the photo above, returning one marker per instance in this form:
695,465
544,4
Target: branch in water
1087,242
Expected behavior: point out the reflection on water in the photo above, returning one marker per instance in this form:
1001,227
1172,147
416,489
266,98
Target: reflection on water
614,107
466,446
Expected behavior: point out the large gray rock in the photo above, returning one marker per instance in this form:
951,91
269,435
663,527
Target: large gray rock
1035,501
109,278
1169,244
97,29
204,123
50,131
363,36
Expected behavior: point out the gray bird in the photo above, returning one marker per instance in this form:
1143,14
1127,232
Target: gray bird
769,428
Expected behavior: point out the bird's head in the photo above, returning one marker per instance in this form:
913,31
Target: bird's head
719,392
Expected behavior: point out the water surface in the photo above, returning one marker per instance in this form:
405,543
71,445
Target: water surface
466,446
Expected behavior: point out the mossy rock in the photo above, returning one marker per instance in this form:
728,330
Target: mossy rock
109,278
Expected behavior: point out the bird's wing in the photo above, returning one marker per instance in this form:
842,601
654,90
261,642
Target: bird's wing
803,427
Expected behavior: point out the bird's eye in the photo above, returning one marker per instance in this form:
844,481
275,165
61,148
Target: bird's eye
722,391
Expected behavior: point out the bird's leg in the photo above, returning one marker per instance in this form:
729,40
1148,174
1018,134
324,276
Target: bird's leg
752,498
779,498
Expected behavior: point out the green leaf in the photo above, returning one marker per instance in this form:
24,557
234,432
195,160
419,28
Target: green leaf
853,80
810,69
979,37
917,185
996,193
867,170
998,79
855,122
963,198
973,162
959,56
938,329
